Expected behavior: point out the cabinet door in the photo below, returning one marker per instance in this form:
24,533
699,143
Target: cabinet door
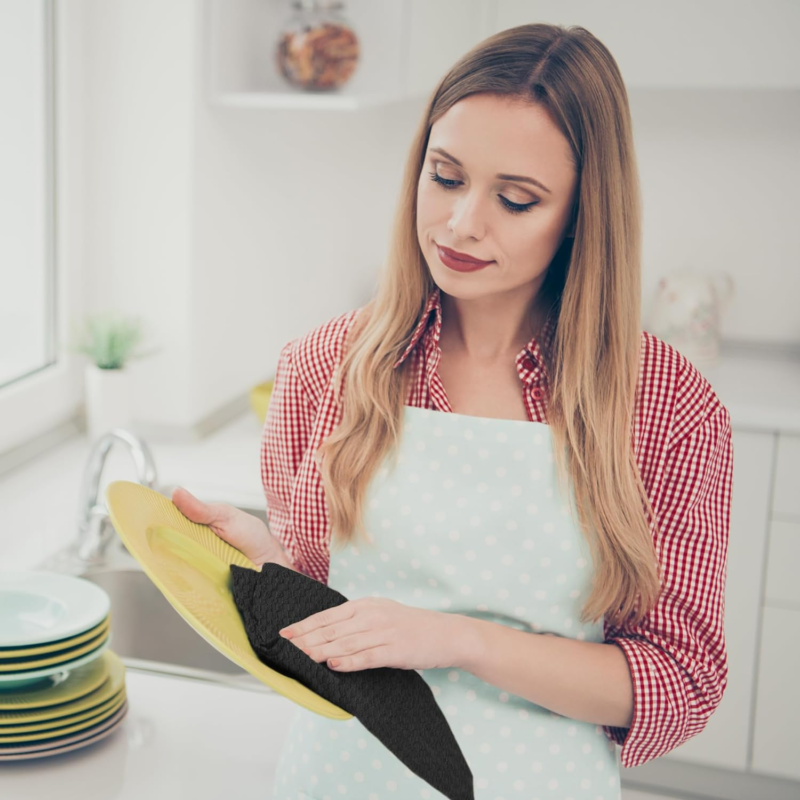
725,739
778,700
783,588
682,43
786,501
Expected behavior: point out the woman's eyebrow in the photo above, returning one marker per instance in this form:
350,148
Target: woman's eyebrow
500,175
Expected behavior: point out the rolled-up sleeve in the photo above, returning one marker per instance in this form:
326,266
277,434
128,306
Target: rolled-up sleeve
677,656
284,440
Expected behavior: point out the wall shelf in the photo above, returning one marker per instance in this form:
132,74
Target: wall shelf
241,40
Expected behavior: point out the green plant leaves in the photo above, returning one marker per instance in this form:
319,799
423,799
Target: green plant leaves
109,342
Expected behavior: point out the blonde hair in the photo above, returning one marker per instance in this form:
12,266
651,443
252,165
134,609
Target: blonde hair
593,291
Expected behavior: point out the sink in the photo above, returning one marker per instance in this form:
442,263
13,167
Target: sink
146,628
146,631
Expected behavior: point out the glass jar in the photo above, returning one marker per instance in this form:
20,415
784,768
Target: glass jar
318,49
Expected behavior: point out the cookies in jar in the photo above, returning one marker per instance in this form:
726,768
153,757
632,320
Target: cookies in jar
318,49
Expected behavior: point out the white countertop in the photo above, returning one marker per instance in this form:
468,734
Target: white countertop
39,500
759,386
181,738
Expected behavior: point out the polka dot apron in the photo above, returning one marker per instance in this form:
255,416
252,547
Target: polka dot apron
469,519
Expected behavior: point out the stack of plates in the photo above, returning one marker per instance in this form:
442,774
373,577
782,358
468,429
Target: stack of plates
61,688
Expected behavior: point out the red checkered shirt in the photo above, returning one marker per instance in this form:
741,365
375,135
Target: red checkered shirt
682,440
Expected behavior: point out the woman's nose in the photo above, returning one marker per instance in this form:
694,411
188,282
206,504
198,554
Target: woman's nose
466,219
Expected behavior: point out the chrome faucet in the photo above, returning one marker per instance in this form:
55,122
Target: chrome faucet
95,530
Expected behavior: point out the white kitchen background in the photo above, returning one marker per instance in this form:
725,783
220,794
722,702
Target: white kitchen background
155,166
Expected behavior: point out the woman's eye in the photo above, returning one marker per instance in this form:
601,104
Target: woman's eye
514,208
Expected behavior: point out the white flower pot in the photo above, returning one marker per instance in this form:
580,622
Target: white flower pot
108,404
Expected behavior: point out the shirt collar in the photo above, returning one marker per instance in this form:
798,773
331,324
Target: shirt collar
431,324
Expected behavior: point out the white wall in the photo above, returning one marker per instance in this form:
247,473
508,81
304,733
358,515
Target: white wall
140,186
719,172
292,220
230,231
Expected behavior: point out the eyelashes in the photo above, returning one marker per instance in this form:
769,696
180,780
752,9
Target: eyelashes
514,208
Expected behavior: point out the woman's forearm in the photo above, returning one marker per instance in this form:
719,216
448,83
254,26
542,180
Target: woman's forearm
587,681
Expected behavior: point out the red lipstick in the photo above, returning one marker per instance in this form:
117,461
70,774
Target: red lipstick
460,261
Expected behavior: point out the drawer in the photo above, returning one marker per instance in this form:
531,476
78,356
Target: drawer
786,498
782,586
778,696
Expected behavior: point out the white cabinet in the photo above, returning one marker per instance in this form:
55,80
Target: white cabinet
775,735
786,502
724,741
783,588
683,43
778,710
753,731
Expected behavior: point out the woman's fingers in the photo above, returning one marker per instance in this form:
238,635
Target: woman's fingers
196,510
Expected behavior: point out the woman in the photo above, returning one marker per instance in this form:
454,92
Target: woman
577,484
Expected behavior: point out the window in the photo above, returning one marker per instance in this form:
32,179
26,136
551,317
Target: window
27,165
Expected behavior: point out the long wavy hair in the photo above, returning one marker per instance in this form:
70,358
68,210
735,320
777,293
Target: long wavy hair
592,290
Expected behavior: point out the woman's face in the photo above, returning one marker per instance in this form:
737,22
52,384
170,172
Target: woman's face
512,222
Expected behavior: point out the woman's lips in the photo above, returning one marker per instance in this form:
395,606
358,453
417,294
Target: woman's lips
457,262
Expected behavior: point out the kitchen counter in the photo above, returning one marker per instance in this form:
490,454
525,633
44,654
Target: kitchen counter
760,386
181,738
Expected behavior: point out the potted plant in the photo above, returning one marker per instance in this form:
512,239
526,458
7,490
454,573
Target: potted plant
109,343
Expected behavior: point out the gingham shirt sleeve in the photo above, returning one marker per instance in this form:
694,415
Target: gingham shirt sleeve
284,440
677,656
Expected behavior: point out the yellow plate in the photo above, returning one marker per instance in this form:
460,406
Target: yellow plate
80,681
112,681
190,565
9,653
66,719
63,731
63,744
70,654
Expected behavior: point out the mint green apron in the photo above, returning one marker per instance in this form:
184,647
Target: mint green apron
468,520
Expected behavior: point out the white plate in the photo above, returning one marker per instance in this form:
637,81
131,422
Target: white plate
38,607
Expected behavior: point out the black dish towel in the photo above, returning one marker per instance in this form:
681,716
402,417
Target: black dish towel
395,705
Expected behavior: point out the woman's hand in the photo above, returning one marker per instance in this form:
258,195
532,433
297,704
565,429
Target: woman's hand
375,632
239,529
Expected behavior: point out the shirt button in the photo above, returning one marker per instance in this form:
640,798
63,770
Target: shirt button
528,363
537,393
